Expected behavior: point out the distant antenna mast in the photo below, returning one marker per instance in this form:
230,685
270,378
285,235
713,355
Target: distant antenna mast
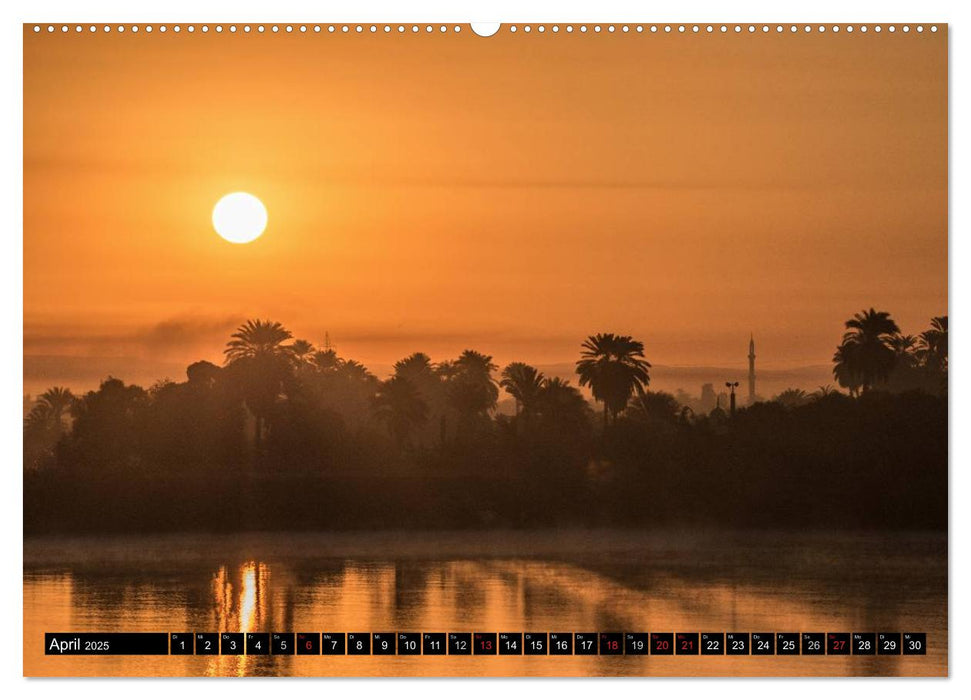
326,340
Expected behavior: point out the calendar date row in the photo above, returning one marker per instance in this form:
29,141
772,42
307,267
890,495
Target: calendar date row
490,643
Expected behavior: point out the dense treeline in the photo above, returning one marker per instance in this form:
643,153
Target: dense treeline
287,436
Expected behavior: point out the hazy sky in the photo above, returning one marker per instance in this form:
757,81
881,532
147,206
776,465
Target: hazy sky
512,194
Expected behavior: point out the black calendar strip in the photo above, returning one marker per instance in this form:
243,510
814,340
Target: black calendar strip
486,643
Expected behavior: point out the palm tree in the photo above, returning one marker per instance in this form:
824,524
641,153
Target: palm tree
340,385
470,386
302,351
38,420
44,424
843,371
792,398
325,360
655,406
932,344
257,338
866,356
477,364
39,435
417,364
823,391
56,400
430,382
398,404
613,366
904,349
261,362
352,371
447,370
523,382
560,404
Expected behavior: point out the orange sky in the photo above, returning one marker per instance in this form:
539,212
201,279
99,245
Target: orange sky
511,194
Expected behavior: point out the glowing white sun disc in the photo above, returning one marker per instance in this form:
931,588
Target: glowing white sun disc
239,217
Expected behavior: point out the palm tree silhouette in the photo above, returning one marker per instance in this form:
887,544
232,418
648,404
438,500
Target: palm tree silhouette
613,366
932,344
56,402
655,406
353,371
419,369
38,420
561,404
325,360
843,371
417,364
398,404
471,388
257,338
476,363
792,398
823,391
904,348
523,382
866,355
261,363
302,351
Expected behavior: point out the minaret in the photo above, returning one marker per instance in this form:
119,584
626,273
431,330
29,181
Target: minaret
751,369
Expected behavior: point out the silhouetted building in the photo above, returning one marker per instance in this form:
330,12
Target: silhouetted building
751,369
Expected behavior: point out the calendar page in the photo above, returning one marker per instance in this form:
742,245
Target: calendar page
485,350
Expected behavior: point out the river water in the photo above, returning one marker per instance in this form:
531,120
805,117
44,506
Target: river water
558,581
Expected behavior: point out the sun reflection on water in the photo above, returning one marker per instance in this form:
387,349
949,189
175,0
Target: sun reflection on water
495,595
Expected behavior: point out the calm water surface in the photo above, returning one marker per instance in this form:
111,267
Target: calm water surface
574,581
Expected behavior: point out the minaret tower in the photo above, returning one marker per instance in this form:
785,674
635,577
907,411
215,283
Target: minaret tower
751,369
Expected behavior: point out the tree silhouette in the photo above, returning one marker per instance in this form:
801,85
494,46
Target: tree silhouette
257,338
302,351
418,369
107,425
44,425
655,406
38,419
932,345
169,457
524,383
471,388
844,373
866,355
325,360
904,349
614,368
353,371
415,366
557,399
57,402
260,363
562,413
202,373
823,391
345,387
398,405
791,398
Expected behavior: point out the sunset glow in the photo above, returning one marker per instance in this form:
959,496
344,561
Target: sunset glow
415,209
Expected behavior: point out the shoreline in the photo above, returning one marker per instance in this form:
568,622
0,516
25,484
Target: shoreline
39,550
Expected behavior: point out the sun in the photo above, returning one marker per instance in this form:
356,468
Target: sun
239,217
